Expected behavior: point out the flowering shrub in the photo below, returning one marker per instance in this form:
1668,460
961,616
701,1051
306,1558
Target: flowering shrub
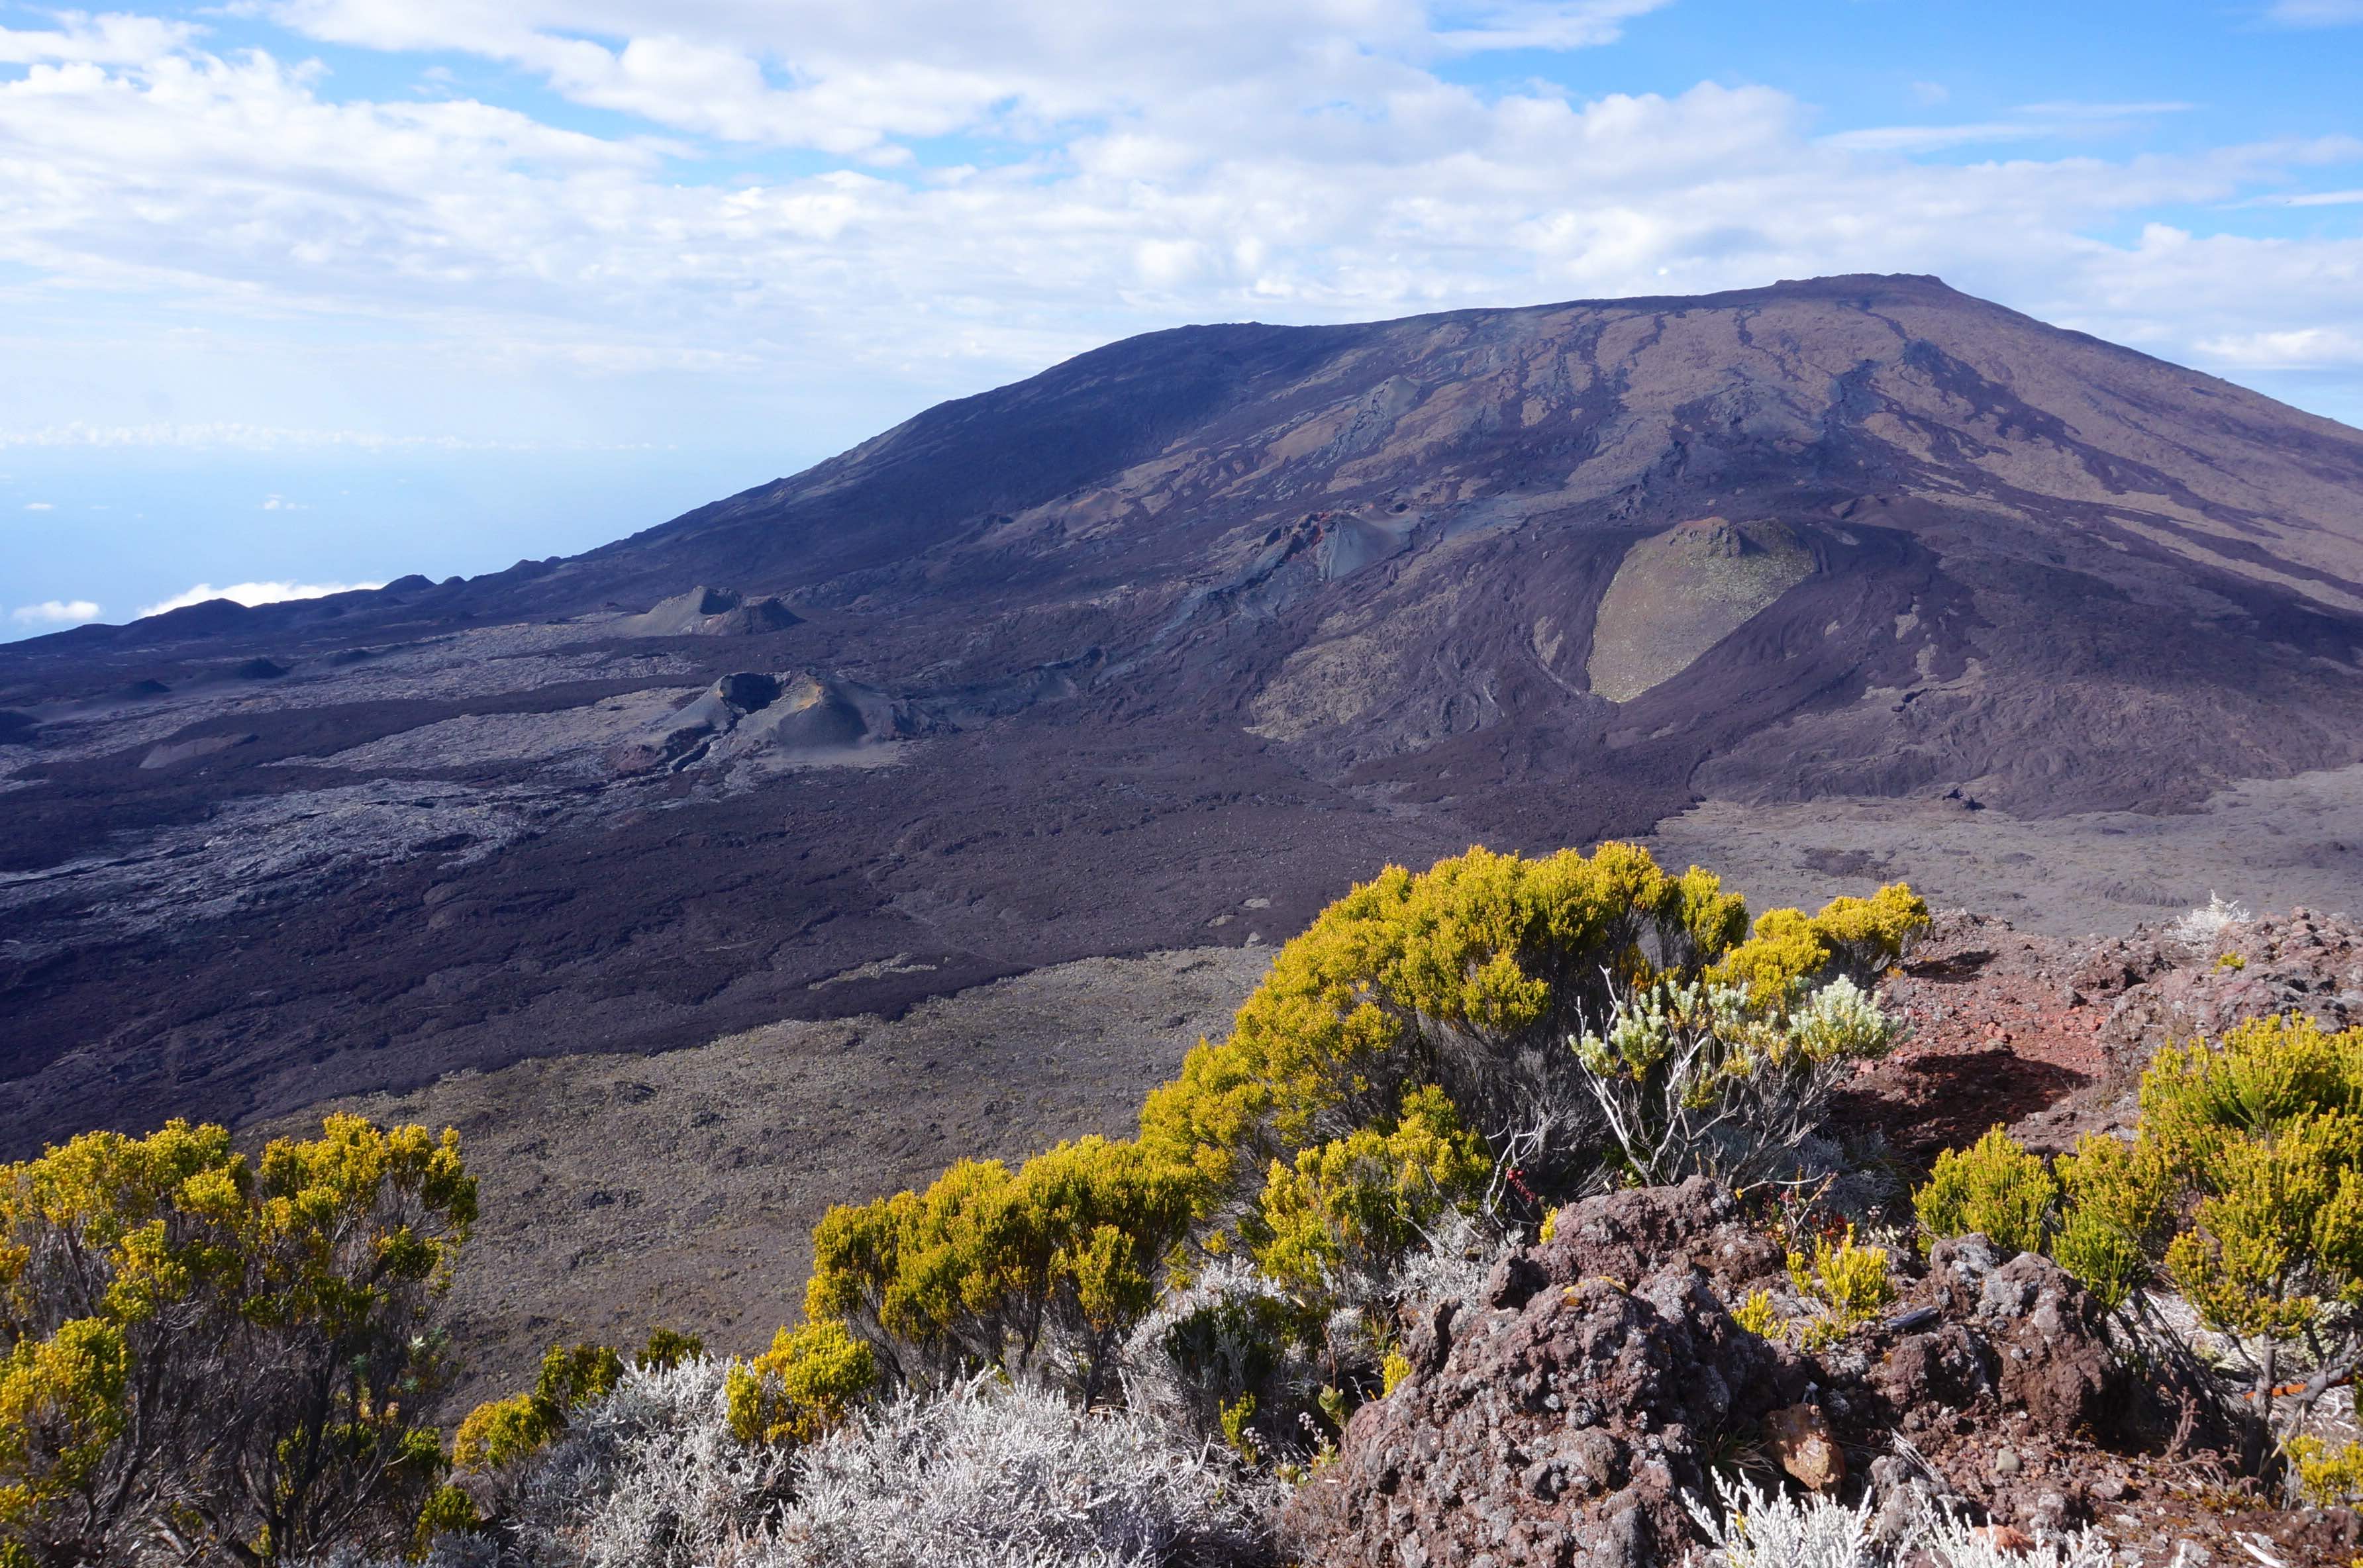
1725,1081
803,1386
203,1352
1341,1220
991,1267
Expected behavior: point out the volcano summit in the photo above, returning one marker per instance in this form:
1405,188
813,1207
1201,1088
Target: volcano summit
1165,646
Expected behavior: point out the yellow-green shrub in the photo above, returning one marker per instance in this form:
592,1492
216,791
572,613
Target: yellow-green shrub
2326,1475
2114,1214
1455,976
2242,1189
501,1431
1488,949
979,1268
805,1385
1851,1283
1356,1204
1993,1188
223,1347
668,1348
1755,1314
449,1510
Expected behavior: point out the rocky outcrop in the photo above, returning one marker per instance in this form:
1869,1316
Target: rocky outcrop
796,717
710,612
1563,1416
2188,981
1562,1419
2020,1335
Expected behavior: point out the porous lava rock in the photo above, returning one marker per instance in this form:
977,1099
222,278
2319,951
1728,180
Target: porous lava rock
1561,1418
2193,986
1562,1415
2022,1331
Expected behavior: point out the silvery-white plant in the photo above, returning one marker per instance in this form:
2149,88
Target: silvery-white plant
1757,1529
653,1477
1714,1080
1224,1309
986,1472
2204,931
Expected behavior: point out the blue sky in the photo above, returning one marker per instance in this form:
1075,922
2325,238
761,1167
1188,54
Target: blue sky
296,293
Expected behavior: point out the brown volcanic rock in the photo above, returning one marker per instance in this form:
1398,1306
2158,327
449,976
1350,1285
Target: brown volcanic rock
1561,1420
1563,1416
1214,614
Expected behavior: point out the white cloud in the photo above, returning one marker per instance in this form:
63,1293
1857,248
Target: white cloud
280,503
2303,348
102,40
2317,13
1932,138
2309,199
55,613
2076,111
39,506
251,593
240,437
1127,167
1545,24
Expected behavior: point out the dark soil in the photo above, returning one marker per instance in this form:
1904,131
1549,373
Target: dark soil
1217,614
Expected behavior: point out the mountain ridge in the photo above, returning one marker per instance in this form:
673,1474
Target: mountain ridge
1091,661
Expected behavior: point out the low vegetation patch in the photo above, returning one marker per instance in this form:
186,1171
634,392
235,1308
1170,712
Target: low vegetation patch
1125,1350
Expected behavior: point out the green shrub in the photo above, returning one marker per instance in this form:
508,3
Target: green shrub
1993,1188
2243,1190
224,1350
800,1388
667,1348
987,1264
1727,1081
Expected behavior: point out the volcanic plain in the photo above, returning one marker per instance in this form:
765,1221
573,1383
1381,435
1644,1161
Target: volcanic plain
931,802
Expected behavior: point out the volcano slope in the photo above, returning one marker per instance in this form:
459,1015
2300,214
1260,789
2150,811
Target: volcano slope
1165,646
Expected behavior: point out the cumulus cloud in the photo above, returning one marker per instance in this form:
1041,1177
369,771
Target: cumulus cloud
251,593
103,41
1068,175
55,613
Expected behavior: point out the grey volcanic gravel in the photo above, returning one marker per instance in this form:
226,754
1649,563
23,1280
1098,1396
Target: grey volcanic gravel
620,1192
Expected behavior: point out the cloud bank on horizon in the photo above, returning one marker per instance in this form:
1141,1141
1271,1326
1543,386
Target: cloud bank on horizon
395,230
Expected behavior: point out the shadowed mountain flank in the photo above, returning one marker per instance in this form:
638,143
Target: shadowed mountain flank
1163,646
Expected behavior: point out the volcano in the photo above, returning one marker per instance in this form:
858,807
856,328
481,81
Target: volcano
1164,646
